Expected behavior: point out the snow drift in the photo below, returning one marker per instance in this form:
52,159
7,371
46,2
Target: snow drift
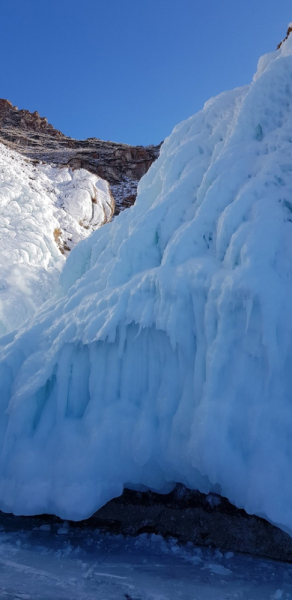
44,211
166,355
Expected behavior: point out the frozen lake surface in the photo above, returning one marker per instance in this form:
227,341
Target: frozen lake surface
46,559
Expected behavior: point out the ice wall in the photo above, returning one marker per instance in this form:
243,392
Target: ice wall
166,355
44,211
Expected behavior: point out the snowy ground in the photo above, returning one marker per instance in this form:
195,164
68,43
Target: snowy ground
46,559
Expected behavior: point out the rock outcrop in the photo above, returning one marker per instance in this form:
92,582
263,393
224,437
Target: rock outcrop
205,520
289,30
121,165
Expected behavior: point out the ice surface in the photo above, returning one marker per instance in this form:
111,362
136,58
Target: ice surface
44,211
36,564
166,354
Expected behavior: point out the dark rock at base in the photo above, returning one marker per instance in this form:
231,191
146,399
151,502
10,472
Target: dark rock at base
189,516
209,521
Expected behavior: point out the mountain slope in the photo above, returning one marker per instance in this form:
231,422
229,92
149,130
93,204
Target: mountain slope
166,353
121,165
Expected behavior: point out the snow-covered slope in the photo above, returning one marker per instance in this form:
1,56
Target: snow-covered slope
44,211
166,355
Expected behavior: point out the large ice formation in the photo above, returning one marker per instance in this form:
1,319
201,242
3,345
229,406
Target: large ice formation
166,355
44,211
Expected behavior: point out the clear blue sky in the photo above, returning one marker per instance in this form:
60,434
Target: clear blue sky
129,70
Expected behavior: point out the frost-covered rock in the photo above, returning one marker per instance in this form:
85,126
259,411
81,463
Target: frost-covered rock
44,211
166,355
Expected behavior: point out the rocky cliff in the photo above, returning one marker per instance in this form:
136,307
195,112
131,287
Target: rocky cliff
121,165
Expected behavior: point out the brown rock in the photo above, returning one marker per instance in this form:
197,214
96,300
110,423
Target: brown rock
289,30
121,165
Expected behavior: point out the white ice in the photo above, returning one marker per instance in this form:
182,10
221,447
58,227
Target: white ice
44,212
166,354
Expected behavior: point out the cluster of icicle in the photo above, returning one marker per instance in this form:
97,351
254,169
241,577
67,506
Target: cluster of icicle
166,354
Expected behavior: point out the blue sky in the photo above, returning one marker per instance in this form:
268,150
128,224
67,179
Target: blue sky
129,70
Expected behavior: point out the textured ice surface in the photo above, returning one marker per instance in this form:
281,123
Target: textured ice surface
166,355
37,563
44,211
